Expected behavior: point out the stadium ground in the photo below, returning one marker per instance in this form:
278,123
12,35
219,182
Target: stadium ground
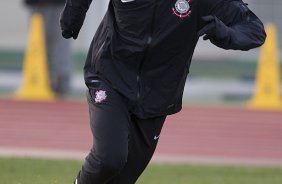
199,134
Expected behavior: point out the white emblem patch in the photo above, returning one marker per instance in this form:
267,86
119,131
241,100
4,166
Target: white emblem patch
182,6
100,96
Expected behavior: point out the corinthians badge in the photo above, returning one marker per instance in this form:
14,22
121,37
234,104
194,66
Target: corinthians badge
182,8
100,96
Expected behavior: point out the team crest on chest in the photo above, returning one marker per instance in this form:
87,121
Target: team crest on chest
182,8
100,96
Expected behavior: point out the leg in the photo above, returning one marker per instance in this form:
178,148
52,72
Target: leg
143,138
58,50
110,129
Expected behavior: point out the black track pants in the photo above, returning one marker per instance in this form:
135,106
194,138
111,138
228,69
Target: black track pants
122,143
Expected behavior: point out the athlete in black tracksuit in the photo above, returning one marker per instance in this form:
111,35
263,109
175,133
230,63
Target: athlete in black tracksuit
136,70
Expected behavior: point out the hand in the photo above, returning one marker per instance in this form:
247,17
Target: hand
214,28
71,21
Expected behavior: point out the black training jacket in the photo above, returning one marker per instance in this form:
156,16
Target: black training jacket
143,48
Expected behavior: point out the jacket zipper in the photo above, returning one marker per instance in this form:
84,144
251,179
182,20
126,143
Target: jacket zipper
149,40
147,49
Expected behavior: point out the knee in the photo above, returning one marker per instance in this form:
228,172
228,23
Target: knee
105,165
113,164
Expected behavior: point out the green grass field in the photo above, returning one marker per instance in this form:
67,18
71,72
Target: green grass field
37,171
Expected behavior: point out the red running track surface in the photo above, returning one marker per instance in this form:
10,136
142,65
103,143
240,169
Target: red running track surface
195,132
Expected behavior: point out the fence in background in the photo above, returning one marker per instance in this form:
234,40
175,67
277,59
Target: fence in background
13,32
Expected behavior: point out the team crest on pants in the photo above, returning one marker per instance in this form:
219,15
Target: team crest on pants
182,8
100,96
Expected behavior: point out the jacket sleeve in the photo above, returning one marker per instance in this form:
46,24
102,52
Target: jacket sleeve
244,30
84,4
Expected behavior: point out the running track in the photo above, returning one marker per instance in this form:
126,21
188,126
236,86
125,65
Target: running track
218,135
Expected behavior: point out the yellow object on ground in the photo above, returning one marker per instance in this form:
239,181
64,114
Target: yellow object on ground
35,84
267,86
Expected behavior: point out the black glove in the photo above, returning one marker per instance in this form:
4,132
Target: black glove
71,20
214,29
